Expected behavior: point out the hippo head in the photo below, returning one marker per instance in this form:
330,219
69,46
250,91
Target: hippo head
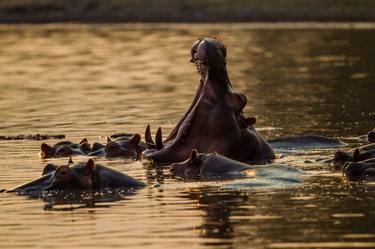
190,168
74,178
47,151
64,149
208,54
355,171
340,158
371,136
127,148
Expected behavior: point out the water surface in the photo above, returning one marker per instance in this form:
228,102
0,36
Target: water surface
92,80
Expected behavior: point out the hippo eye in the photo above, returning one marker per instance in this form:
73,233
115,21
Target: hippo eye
112,146
63,150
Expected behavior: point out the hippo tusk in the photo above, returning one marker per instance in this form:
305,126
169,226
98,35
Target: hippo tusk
148,138
159,139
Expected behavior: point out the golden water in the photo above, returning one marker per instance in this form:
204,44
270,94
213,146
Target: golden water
93,80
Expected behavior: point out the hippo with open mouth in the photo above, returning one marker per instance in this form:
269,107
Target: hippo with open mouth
64,149
208,165
215,120
78,177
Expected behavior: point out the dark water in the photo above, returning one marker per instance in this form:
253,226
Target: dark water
90,81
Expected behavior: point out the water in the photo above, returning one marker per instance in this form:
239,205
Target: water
93,80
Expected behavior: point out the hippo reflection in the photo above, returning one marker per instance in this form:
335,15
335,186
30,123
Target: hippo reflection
65,149
88,176
208,165
215,120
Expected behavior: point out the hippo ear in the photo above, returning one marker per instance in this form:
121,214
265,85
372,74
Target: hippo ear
148,138
136,138
193,154
108,139
49,168
89,167
83,141
45,148
70,160
356,155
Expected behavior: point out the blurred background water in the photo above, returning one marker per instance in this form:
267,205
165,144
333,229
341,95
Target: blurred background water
93,80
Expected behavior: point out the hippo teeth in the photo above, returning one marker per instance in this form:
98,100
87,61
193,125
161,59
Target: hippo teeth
198,65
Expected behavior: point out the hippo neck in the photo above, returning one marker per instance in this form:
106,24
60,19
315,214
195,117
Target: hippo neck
217,83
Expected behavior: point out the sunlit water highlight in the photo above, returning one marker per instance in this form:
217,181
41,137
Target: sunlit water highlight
92,80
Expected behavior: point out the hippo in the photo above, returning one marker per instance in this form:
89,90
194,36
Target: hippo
368,138
359,171
371,136
208,165
305,142
215,120
126,146
65,149
355,155
78,177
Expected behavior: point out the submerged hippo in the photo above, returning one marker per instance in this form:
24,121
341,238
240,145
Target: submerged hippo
65,149
88,176
208,165
364,170
368,138
305,142
215,120
355,155
126,146
371,136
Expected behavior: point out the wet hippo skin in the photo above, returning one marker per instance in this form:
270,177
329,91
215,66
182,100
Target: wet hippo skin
129,147
80,176
215,120
208,165
65,149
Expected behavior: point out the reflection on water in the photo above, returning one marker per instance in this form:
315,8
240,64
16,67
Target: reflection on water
92,80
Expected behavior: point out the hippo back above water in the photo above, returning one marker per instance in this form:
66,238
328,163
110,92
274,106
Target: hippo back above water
208,165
